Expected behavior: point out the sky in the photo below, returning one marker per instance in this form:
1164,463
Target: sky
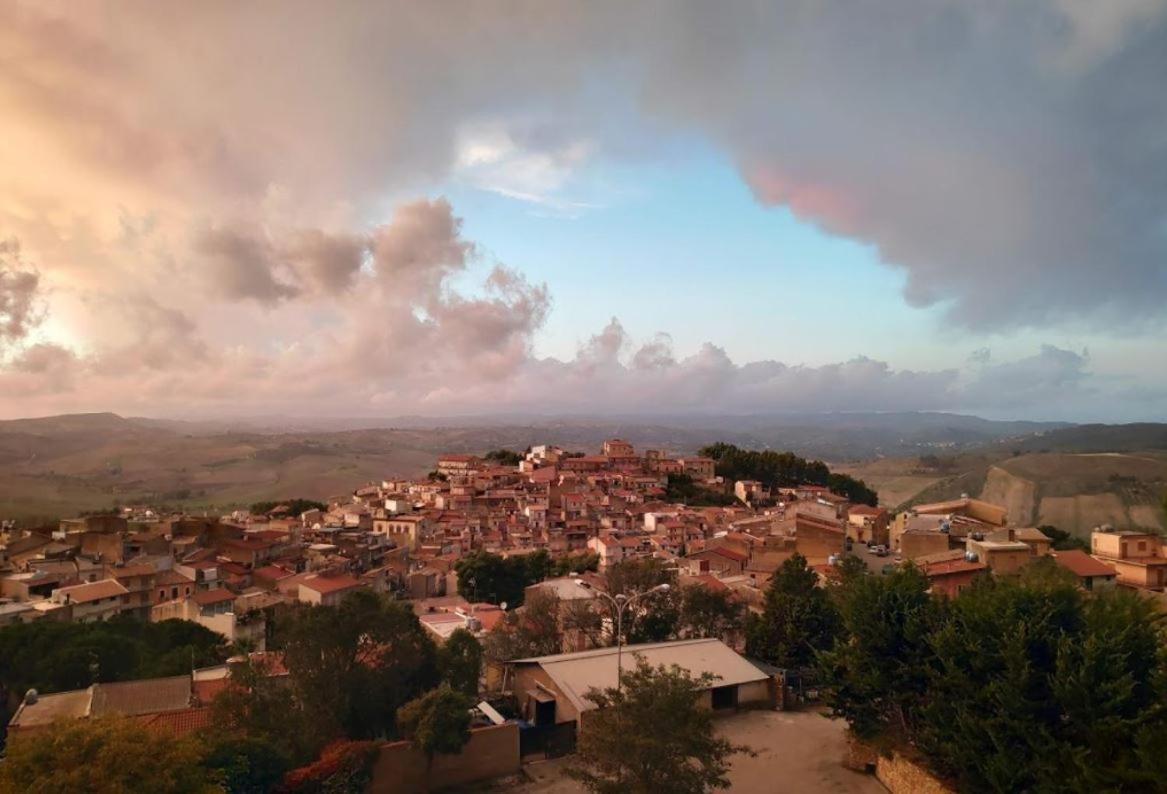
222,209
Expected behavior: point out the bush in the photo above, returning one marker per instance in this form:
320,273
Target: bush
343,766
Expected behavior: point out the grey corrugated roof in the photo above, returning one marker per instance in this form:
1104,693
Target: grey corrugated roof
575,673
150,696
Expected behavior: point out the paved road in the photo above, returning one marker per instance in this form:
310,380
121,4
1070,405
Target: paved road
796,752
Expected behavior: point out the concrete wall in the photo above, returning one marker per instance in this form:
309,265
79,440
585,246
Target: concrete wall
902,776
758,693
491,753
919,544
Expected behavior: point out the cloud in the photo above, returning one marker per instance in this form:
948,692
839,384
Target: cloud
330,262
1008,158
419,248
19,296
1047,378
239,263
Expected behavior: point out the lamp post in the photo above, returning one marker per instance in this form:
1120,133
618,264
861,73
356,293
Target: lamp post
620,602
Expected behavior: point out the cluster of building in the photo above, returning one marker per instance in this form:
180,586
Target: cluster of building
955,541
405,536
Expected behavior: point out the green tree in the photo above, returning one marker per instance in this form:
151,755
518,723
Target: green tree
437,722
797,620
51,656
534,629
684,489
1039,686
504,457
483,576
1062,540
352,666
654,618
706,612
460,662
247,764
876,676
575,563
784,469
102,755
294,506
652,735
257,704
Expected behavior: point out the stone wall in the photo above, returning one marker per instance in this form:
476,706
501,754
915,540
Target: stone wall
901,775
491,753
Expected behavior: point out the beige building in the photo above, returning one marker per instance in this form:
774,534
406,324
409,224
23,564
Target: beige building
916,543
1138,557
327,591
551,689
1001,551
986,512
93,601
700,469
404,530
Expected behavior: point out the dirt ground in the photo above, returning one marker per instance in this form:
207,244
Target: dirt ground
796,752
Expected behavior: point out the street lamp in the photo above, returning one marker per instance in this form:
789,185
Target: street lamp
621,602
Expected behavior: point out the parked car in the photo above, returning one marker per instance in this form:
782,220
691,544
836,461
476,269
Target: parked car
880,551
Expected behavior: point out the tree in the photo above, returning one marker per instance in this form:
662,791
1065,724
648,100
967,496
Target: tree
343,766
294,507
247,764
797,621
504,457
1039,686
683,488
532,630
652,735
256,705
460,662
104,755
1062,540
483,576
575,563
352,666
784,469
876,677
51,656
653,619
437,722
706,612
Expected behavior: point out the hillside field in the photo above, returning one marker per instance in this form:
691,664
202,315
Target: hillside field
1074,491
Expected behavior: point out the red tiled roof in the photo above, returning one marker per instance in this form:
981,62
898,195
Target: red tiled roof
1082,564
217,596
331,584
946,567
736,556
177,723
273,572
712,582
94,591
172,577
206,690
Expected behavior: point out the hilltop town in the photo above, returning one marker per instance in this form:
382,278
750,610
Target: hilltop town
406,537
485,544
